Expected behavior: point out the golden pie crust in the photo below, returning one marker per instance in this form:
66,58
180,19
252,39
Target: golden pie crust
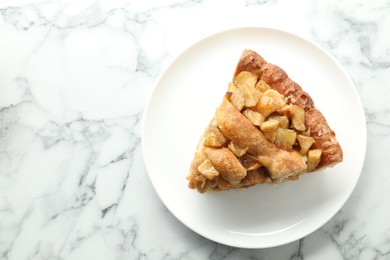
234,152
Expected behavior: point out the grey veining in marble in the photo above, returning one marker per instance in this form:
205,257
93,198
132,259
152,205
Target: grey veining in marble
74,78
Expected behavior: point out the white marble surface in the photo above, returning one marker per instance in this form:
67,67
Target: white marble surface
74,78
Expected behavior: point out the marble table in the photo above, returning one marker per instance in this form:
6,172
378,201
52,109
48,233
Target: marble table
74,79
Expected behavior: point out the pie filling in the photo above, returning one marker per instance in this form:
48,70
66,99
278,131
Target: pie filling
256,136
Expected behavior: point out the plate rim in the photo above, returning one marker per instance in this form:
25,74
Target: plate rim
184,50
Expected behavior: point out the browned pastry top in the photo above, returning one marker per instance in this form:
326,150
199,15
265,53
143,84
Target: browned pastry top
278,79
234,152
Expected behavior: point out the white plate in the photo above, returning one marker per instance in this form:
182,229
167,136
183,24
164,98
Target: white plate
182,104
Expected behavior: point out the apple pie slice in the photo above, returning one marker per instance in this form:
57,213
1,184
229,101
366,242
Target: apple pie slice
266,130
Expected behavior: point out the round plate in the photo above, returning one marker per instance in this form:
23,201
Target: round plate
184,101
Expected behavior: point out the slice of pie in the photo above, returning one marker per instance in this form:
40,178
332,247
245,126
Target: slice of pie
266,130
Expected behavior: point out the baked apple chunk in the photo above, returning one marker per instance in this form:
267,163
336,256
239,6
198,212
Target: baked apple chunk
266,130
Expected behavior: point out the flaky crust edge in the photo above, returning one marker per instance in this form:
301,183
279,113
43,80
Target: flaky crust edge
277,78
